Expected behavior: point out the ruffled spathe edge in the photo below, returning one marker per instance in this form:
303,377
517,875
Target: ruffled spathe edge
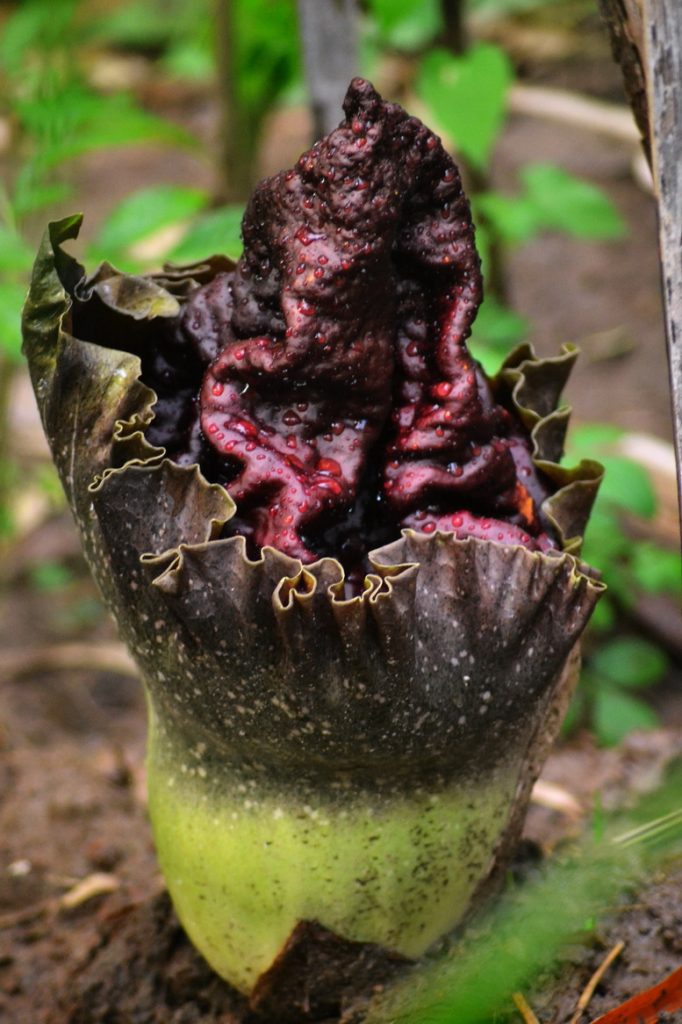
533,386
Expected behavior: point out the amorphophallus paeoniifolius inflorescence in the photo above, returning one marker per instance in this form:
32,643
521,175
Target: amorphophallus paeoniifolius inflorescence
344,559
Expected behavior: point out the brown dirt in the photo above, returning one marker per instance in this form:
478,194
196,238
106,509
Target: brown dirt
72,745
651,929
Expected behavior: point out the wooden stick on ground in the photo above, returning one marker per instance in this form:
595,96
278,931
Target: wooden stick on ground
98,657
524,1009
588,991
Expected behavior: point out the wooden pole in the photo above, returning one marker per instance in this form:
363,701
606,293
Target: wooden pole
454,35
663,57
646,36
329,34
625,22
237,133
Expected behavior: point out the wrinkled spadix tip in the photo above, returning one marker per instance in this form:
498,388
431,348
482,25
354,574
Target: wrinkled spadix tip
361,98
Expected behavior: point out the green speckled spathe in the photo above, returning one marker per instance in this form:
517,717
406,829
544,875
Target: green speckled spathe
425,704
245,858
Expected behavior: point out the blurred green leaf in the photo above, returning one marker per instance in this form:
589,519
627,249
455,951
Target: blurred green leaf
630,661
576,712
73,120
496,331
213,233
32,192
603,617
466,97
48,480
627,485
656,569
616,714
12,295
513,219
551,198
406,24
502,8
15,255
51,576
566,203
604,530
143,24
605,541
144,212
267,51
588,440
7,524
184,33
191,59
34,25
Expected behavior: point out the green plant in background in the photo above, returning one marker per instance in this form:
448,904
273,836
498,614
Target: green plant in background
618,667
178,35
613,670
201,229
55,116
248,47
403,25
60,117
466,96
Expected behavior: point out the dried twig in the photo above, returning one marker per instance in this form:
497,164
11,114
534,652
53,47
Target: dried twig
103,657
588,991
524,1009
612,119
556,798
99,884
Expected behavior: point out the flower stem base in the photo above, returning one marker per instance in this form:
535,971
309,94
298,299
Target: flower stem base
247,858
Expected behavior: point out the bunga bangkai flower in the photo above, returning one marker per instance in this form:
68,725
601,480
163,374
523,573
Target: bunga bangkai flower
345,560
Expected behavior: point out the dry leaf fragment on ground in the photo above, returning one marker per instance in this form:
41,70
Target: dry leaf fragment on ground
98,884
646,1007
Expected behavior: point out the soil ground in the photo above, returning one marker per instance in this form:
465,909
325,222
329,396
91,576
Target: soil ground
72,743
